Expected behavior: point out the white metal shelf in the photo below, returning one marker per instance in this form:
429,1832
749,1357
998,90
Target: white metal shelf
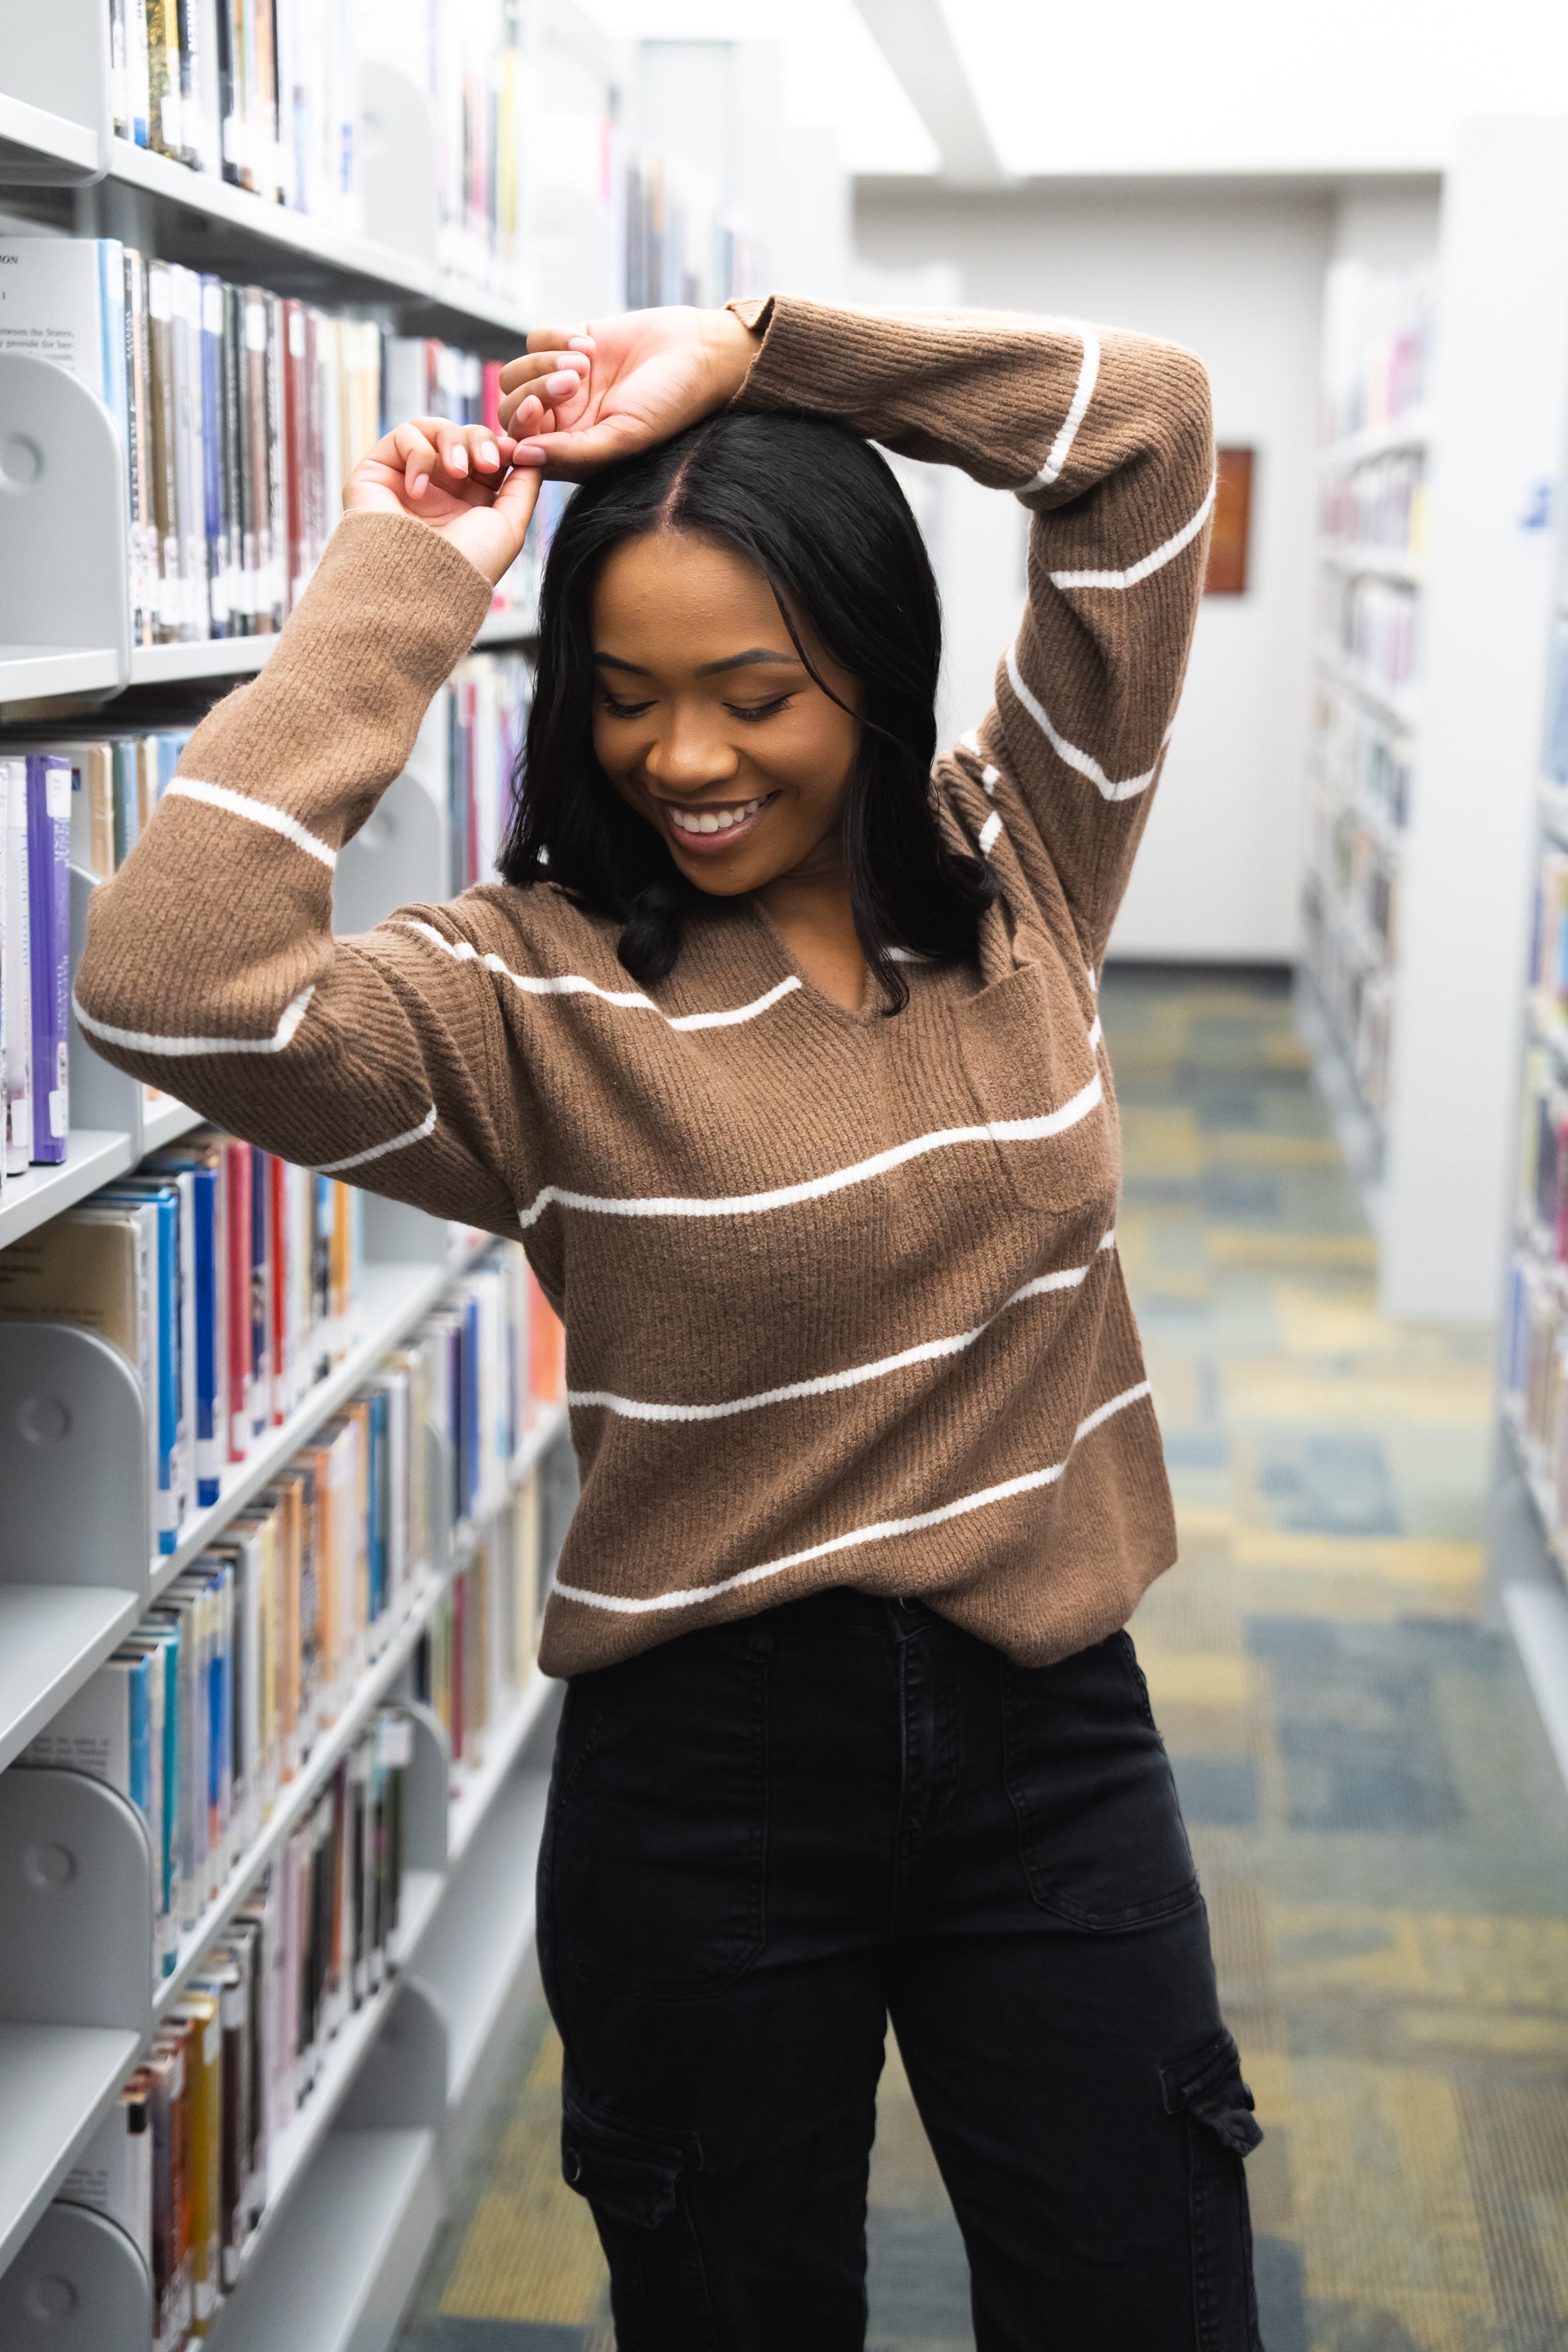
1399,564
94,1156
33,673
474,1788
31,137
298,232
513,628
479,1937
199,658
52,1638
1411,431
339,2271
1397,703
166,1124
55,2083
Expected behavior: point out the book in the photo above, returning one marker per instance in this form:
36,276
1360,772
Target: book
113,2174
18,998
48,790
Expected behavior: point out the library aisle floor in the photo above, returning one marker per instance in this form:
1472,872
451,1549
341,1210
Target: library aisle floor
1382,1832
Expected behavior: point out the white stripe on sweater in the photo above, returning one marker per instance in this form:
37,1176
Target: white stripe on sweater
135,1042
1125,789
928,1352
817,1187
276,820
572,983
377,1150
879,1531
990,833
1089,370
1146,564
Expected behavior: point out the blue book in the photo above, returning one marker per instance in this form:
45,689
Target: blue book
166,1200
49,949
378,1420
210,1437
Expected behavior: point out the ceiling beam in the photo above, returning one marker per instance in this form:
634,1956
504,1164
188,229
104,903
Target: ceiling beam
914,39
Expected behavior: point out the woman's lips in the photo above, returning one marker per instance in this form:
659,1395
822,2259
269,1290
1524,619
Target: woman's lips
706,831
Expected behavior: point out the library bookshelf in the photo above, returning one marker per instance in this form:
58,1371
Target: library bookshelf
1432,572
357,2182
1527,1550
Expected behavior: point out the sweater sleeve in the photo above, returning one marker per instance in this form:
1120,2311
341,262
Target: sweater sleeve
1106,438
211,967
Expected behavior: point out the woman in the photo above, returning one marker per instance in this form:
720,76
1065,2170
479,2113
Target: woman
780,1051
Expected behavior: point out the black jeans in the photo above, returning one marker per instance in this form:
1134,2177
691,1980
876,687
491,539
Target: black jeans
763,1840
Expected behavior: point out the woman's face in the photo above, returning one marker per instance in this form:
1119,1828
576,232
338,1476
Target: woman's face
706,720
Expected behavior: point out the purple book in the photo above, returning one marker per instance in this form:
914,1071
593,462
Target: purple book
49,925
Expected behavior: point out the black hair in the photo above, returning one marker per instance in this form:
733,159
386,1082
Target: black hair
820,514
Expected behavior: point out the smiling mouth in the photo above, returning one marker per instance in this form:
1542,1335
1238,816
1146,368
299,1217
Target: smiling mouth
715,827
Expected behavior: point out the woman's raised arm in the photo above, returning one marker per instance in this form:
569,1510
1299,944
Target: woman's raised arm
1106,437
211,969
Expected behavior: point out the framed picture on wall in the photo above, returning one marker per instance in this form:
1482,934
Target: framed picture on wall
1227,574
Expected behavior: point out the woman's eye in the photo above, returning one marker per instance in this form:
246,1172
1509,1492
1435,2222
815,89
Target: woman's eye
749,711
614,710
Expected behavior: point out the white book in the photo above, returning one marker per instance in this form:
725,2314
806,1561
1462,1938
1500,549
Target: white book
18,1005
113,2174
59,305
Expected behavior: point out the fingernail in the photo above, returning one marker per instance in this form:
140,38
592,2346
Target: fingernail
564,380
420,484
458,463
488,454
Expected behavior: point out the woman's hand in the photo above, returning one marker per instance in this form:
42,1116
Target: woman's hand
650,374
461,479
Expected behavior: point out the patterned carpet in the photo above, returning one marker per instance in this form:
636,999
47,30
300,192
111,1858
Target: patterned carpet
1382,1834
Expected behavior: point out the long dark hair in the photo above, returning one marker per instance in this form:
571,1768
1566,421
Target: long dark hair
819,513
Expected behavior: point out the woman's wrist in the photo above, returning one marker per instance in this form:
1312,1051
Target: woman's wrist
732,346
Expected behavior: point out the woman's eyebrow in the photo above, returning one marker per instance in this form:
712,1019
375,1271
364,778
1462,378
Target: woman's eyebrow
707,669
739,661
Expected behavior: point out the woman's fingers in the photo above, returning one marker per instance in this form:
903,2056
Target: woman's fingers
430,447
555,378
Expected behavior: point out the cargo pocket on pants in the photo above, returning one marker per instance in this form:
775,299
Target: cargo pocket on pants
635,2179
1208,2089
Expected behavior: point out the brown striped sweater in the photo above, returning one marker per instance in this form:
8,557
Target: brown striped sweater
842,1295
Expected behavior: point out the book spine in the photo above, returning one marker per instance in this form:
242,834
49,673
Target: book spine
280,458
209,1403
49,893
233,460
19,975
164,405
192,503
212,314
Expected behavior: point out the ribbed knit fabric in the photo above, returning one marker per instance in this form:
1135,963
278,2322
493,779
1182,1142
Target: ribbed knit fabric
842,1298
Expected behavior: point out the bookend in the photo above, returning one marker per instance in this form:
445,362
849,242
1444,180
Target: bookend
424,1790
402,2086
63,583
396,160
75,1895
57,59
73,1460
77,2286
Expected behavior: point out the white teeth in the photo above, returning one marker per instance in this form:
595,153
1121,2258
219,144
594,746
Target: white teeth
711,820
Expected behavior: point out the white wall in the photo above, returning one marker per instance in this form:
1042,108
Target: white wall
1238,276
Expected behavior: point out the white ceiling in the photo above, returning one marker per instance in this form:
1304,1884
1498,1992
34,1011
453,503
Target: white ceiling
1209,86
1231,85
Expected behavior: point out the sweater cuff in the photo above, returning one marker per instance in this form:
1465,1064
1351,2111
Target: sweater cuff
393,598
